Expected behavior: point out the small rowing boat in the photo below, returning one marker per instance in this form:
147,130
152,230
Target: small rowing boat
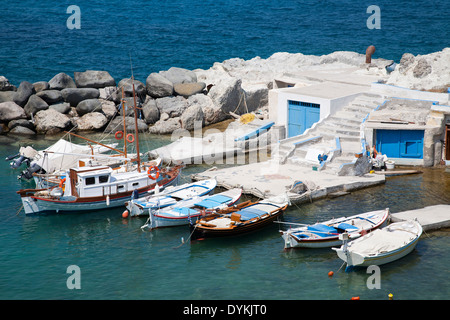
381,246
184,212
170,196
326,234
245,217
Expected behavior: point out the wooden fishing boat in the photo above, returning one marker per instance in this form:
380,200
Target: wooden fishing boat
381,246
326,234
170,196
188,211
246,217
90,186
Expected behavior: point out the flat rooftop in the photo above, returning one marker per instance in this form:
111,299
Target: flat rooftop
327,90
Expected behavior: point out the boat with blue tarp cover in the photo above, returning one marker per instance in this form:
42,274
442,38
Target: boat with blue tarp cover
186,211
170,196
326,234
245,217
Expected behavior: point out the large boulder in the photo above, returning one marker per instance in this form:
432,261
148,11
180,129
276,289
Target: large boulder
127,85
158,86
88,105
110,94
24,92
19,130
91,121
41,86
188,89
93,79
108,109
61,81
10,110
21,123
63,107
117,125
150,111
166,126
179,75
34,105
191,117
75,95
50,96
51,121
7,96
210,111
173,106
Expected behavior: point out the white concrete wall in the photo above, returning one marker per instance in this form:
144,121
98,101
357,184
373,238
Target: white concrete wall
400,92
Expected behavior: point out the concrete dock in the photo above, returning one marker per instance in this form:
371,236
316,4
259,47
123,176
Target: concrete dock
302,184
430,218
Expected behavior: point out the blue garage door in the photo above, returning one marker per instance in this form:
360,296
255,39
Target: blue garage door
301,116
400,143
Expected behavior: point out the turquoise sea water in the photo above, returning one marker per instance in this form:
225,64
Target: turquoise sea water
119,261
35,43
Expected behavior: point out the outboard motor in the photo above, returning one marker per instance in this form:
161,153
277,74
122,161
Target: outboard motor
18,162
28,173
9,158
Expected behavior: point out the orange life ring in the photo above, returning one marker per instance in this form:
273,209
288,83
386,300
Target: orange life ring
150,172
119,135
130,140
61,182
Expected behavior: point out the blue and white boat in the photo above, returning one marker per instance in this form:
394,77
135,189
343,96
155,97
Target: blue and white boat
170,196
381,246
188,211
326,234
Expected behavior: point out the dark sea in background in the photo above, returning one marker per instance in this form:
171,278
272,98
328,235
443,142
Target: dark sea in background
118,260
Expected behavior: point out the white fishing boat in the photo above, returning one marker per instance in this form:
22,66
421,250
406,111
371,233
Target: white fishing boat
170,196
380,246
188,211
326,234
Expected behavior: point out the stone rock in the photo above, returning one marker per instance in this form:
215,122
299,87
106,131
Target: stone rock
50,96
150,111
117,125
19,130
173,106
158,86
406,60
164,116
422,69
34,105
7,96
108,109
63,107
256,96
209,109
41,86
129,106
11,111
127,85
22,123
188,89
110,94
166,126
24,92
179,75
88,105
75,95
5,85
61,81
91,121
51,121
93,79
191,117
226,96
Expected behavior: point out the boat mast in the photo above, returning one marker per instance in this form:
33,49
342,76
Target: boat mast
124,127
136,126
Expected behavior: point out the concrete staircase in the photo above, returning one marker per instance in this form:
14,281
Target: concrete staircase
338,135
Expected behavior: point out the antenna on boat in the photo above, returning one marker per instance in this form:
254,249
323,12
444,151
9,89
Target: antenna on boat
135,119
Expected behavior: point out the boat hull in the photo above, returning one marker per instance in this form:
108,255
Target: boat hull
291,241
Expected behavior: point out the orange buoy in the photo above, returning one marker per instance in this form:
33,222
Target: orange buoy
61,182
125,214
354,298
153,172
118,135
130,138
330,274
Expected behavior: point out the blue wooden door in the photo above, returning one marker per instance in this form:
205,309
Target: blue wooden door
400,143
301,116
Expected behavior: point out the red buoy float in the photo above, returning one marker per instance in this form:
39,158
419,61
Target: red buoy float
130,138
125,214
153,172
118,135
